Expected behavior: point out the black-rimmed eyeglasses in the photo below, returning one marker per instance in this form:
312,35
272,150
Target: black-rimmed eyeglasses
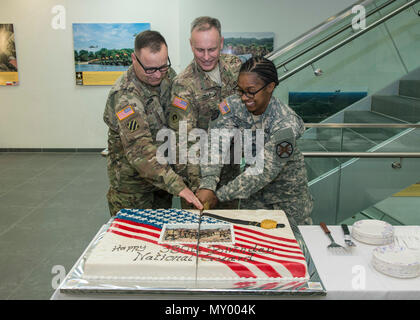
162,69
249,94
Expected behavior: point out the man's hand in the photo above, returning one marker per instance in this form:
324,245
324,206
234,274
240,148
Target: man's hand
205,195
190,197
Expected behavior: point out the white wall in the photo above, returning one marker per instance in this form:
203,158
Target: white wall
48,110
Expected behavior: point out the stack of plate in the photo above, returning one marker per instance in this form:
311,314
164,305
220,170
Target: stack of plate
375,232
396,261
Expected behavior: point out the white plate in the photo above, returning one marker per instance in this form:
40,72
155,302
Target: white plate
373,232
396,261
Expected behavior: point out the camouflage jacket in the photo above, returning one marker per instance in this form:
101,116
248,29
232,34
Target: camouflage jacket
134,113
283,173
195,98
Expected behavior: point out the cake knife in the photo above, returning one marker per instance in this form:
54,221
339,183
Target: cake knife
205,207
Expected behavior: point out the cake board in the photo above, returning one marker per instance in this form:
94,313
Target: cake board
74,284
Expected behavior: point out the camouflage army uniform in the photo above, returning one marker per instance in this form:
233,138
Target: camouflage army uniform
282,184
200,97
134,113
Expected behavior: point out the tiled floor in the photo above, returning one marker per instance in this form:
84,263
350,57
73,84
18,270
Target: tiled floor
52,205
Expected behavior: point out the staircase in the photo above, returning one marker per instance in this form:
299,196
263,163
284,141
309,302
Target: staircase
343,187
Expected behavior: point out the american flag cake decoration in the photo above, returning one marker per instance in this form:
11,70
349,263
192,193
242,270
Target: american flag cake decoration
132,247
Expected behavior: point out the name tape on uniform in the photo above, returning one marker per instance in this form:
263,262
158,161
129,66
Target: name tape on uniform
180,103
124,113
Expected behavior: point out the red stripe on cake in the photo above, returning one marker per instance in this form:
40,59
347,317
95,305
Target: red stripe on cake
264,235
138,224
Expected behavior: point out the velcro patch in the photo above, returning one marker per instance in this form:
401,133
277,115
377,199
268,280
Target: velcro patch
284,149
124,113
133,125
173,120
224,107
180,103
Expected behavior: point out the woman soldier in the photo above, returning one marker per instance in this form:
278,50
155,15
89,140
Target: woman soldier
280,183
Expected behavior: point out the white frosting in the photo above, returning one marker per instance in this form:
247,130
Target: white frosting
129,251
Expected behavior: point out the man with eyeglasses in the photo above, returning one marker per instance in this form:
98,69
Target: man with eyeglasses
198,90
134,113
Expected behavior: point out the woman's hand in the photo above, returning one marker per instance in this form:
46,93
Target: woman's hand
205,195
190,197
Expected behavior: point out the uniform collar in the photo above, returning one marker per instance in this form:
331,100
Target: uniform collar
267,114
145,90
205,81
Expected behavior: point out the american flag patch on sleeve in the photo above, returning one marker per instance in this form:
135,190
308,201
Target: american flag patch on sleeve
224,107
124,113
180,103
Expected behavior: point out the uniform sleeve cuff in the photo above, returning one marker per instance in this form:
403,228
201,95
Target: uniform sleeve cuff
221,196
177,186
209,183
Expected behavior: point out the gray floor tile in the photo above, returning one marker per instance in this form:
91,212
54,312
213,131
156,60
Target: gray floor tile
18,197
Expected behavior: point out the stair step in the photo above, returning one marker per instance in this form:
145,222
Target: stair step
403,108
318,166
376,135
347,140
410,88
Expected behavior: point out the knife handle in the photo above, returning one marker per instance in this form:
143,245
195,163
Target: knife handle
345,229
324,227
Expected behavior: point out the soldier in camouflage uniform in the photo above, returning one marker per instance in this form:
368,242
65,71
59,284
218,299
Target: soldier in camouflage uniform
134,112
197,91
282,182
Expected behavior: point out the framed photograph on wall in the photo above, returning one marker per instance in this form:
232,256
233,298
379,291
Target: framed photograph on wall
8,61
248,44
102,51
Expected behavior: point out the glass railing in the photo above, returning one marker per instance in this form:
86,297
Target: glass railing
350,171
352,70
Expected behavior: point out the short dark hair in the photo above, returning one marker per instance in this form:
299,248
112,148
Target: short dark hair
264,68
149,39
206,23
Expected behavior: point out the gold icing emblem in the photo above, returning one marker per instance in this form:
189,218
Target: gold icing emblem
268,224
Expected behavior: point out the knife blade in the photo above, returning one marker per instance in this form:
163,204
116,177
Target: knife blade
205,207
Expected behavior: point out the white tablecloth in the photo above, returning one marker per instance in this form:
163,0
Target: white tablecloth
345,277
353,276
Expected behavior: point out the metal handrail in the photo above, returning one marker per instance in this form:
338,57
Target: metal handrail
349,39
361,154
362,125
316,30
317,154
279,52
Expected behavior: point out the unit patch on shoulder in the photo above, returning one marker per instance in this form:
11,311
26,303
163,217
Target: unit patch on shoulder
132,125
124,113
173,120
180,103
224,107
284,149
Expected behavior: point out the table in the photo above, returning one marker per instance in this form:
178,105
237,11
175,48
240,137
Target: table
344,277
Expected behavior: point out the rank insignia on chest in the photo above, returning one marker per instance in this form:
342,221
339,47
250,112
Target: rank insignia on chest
132,125
284,149
224,107
124,113
180,103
